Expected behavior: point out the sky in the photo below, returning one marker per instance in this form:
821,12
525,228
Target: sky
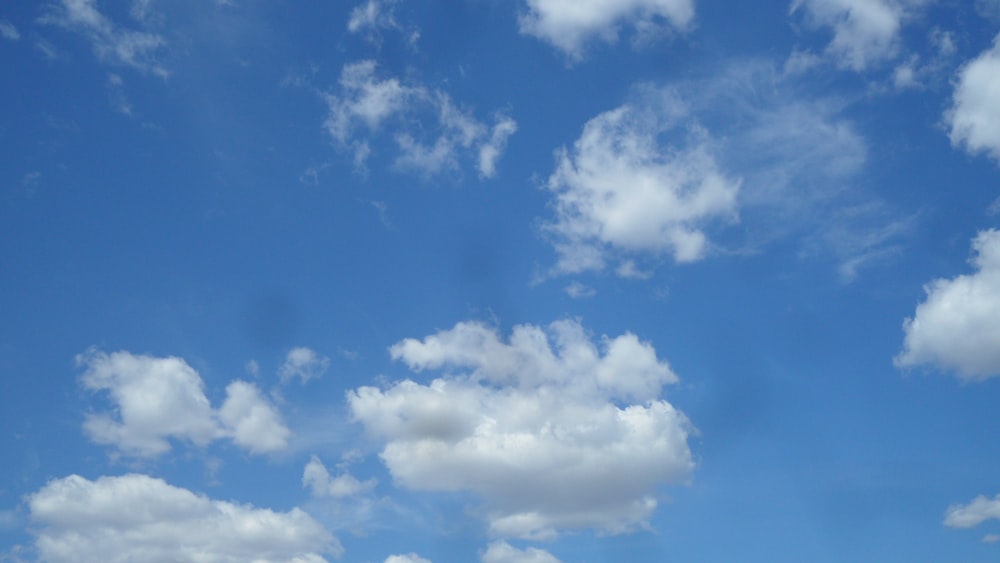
499,281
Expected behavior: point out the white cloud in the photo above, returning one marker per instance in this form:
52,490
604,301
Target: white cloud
157,399
503,552
367,102
251,421
553,431
569,24
973,514
621,189
490,151
957,327
139,518
974,117
136,49
408,558
865,32
304,364
316,477
373,16
577,290
8,31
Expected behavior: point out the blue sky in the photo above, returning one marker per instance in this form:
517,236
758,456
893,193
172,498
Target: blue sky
499,281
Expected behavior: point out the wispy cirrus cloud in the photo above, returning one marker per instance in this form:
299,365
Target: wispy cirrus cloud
110,43
365,104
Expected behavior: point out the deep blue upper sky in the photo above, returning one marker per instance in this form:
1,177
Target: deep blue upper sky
529,280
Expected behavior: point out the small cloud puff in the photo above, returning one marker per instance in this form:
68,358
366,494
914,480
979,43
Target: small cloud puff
158,399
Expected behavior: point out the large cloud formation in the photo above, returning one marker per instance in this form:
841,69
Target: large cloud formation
957,327
139,518
157,399
975,114
553,431
569,24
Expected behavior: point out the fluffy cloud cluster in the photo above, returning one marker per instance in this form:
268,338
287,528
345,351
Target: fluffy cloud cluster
373,16
552,430
317,478
975,115
157,399
865,32
138,518
503,552
365,103
136,49
957,327
570,24
304,364
621,189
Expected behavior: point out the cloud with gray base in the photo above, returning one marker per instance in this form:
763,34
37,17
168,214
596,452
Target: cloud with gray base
551,430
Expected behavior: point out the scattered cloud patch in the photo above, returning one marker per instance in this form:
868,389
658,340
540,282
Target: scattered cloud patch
303,364
139,518
503,552
957,327
866,33
577,290
375,16
111,44
317,479
430,131
569,25
159,399
621,190
8,31
974,117
552,430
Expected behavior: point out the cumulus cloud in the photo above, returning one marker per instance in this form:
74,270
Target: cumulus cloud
158,399
865,32
973,514
317,478
8,31
366,103
974,117
569,24
139,518
503,552
957,327
742,144
304,364
111,44
552,430
621,189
